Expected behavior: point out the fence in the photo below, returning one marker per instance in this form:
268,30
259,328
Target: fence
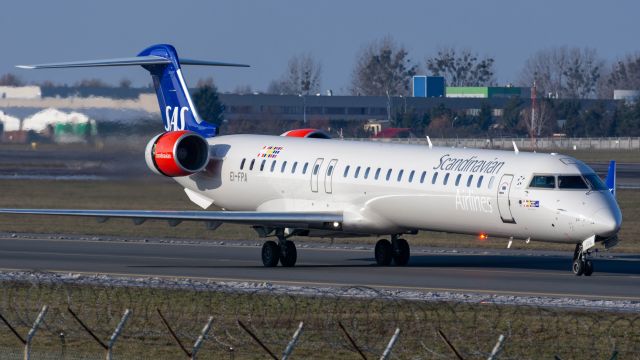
159,319
620,143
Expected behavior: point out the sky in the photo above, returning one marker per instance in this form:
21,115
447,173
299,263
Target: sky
265,34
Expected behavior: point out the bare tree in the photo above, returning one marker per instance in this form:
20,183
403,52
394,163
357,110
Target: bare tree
10,79
382,68
538,121
564,72
462,68
301,77
623,74
92,83
125,83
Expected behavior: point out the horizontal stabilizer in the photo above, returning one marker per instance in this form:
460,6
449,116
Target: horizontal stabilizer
129,61
137,60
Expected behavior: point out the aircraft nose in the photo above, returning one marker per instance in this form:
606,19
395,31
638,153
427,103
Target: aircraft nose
607,222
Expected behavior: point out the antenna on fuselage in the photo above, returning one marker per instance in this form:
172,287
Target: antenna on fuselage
515,147
429,141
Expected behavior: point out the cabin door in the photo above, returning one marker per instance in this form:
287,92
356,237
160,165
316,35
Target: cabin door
315,172
504,204
328,176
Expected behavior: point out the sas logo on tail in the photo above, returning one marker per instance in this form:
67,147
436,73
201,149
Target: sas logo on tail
175,118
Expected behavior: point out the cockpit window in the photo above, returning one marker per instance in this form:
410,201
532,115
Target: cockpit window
595,182
571,182
543,181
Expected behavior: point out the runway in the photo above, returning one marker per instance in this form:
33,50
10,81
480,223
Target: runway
472,271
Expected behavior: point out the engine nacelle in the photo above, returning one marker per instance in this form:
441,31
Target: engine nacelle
177,153
307,133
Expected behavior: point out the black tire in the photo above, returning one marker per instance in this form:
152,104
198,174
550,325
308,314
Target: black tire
383,252
588,268
270,254
401,252
288,254
578,267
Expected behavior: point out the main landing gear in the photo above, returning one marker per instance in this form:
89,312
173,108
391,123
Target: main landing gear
396,250
581,265
284,251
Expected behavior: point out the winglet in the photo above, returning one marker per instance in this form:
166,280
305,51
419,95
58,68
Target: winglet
611,177
429,142
515,147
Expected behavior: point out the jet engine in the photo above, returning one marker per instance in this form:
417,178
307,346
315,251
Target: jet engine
177,153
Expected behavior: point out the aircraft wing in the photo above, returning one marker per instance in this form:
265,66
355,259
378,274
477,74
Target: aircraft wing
300,220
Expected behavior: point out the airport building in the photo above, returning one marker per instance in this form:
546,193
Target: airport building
372,112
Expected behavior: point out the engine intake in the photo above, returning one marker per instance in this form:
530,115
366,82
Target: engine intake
177,153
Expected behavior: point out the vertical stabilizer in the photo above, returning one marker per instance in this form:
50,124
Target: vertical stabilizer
176,106
611,177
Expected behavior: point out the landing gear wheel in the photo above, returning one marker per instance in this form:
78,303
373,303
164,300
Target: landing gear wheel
383,252
401,252
588,268
270,254
578,267
288,254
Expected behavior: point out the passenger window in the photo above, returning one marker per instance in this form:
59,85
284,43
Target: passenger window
346,171
543,181
458,179
293,168
469,180
424,174
378,173
400,175
304,168
316,167
330,170
389,175
434,178
273,165
491,182
357,172
480,181
262,164
446,179
413,172
284,166
253,161
366,173
571,182
242,164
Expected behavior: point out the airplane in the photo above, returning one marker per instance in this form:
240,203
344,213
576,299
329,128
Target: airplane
303,183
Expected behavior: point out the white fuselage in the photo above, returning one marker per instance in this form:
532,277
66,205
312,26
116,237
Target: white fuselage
394,188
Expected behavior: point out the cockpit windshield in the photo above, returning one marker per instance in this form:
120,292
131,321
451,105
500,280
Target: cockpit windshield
595,182
571,182
543,181
568,182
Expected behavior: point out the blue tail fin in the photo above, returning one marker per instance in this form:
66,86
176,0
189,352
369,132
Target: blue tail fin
611,177
175,102
163,63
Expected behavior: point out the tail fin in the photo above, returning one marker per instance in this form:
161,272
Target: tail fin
163,63
611,177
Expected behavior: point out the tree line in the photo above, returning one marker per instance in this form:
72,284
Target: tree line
384,67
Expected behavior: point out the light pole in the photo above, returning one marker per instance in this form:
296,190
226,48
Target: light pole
304,109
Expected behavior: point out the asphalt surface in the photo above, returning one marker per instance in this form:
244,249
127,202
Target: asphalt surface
484,272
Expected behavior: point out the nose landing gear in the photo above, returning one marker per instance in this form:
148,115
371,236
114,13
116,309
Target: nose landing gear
396,250
581,265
